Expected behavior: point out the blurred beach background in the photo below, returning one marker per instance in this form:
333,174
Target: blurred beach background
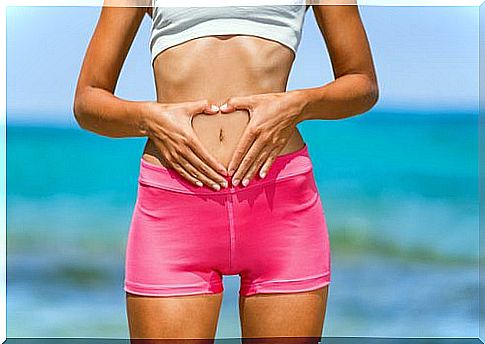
399,184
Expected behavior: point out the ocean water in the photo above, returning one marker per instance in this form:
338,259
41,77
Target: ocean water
399,190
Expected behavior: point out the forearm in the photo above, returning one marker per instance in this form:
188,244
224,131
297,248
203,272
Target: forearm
102,112
347,96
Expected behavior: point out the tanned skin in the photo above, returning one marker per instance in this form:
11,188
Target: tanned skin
189,128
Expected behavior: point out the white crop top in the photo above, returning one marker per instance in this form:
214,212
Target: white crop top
175,25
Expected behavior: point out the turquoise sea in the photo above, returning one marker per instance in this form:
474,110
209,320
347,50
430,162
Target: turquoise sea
400,192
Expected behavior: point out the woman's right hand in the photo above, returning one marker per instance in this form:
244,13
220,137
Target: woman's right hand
169,125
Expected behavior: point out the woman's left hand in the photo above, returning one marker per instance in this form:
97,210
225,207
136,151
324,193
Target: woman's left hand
272,119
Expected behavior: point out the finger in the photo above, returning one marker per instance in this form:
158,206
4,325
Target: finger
198,148
208,176
246,163
257,164
199,173
263,172
203,106
245,142
237,103
186,175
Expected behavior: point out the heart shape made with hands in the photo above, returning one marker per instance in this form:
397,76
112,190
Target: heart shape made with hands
204,124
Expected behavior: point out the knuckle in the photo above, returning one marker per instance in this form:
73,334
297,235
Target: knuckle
177,152
261,158
174,152
257,130
247,159
190,141
252,130
265,137
201,177
169,158
190,168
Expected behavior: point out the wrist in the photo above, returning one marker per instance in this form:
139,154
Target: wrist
299,101
146,116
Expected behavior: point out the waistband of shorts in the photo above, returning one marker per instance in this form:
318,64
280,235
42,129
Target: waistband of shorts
284,166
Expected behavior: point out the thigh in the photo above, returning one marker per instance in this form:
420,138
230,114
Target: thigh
272,315
189,317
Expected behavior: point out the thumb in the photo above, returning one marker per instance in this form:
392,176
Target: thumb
237,103
203,106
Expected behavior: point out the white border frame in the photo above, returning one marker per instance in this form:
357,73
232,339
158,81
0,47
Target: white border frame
99,3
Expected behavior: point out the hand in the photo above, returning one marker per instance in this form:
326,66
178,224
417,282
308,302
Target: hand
170,128
272,119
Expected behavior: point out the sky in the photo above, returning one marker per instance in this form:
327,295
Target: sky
426,60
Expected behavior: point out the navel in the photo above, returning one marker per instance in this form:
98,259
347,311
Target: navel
221,136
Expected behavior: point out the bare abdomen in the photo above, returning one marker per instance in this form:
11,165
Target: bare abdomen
216,68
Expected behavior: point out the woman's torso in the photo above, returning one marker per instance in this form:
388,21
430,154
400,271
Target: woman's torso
216,68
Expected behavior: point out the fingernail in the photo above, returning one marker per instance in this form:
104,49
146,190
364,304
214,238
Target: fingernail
216,187
199,183
214,107
245,182
262,174
231,172
235,182
224,184
223,107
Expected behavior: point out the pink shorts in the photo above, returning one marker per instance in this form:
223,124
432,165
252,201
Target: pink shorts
272,233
